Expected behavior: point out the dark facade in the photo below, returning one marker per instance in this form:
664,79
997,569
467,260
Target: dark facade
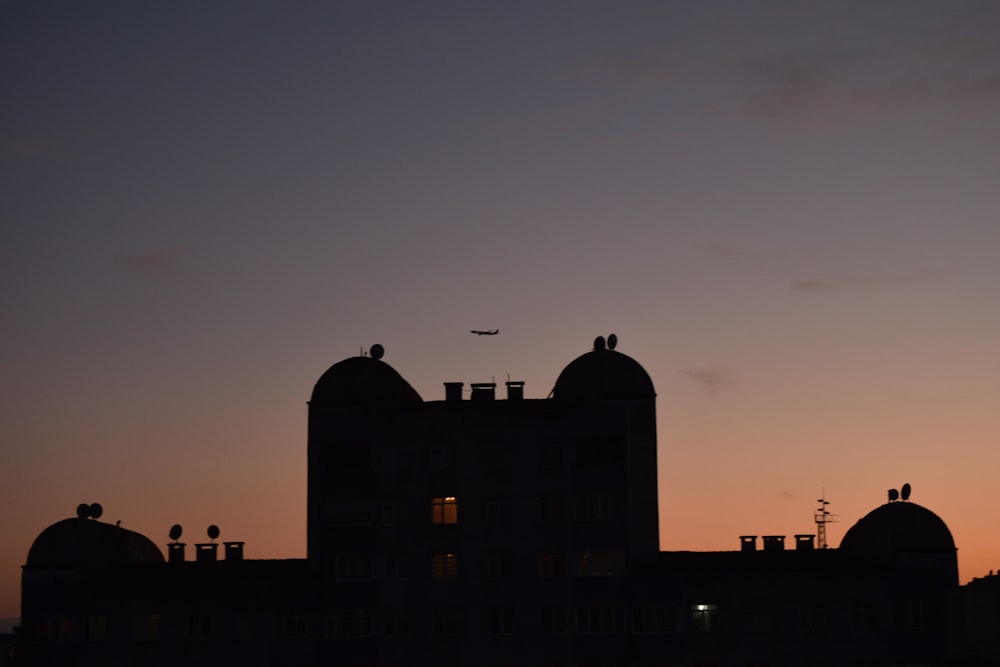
479,530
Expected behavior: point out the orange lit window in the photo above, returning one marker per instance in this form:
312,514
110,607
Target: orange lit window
444,566
444,510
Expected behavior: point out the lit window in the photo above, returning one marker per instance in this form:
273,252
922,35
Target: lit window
444,510
704,617
444,566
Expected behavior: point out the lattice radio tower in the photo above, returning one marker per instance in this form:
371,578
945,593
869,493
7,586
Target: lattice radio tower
823,517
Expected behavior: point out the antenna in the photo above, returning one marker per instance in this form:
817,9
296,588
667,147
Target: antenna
612,341
96,510
213,532
905,492
823,517
893,495
175,532
376,351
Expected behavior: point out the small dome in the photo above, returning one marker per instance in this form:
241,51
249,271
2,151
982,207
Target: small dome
77,542
899,527
363,381
601,374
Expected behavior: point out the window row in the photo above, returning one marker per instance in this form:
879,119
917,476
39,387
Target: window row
496,510
498,565
914,615
586,452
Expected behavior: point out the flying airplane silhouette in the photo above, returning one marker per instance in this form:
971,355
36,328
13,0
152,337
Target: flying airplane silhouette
485,333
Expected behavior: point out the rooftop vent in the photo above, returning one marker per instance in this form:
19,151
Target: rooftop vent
774,543
484,391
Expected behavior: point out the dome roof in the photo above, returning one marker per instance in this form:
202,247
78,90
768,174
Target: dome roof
899,527
363,381
603,373
80,542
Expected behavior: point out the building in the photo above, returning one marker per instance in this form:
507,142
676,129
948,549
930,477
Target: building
493,531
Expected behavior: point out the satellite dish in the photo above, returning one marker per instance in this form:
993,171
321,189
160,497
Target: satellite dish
96,511
83,510
612,341
175,532
213,532
893,495
377,351
599,343
905,493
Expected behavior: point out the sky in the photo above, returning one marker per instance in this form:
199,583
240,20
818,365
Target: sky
787,211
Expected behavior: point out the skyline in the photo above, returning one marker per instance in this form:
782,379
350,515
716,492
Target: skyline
786,212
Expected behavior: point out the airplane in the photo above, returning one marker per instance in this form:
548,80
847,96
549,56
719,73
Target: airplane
485,333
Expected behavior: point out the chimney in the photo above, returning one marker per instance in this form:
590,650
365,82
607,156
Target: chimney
748,543
453,391
175,552
515,390
774,543
206,553
233,550
484,391
804,542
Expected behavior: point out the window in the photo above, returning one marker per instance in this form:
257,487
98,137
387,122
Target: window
441,458
595,507
396,567
500,565
349,457
498,457
551,508
812,618
864,617
552,564
550,456
348,567
396,623
200,626
293,626
444,566
501,622
704,617
553,620
915,614
498,510
599,620
349,624
348,513
600,564
444,510
146,627
53,629
390,514
97,627
650,619
444,623
758,619
391,458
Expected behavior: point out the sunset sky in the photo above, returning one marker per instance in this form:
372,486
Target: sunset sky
788,212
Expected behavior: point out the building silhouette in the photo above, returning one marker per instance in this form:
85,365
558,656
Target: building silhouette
487,530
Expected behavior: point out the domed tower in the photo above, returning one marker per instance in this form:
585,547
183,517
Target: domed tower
907,537
611,408
353,405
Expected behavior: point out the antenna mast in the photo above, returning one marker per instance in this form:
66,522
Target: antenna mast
823,517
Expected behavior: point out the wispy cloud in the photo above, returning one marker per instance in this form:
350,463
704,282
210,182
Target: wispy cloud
817,286
167,260
712,379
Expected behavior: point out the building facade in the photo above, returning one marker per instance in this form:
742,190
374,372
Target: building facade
487,530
